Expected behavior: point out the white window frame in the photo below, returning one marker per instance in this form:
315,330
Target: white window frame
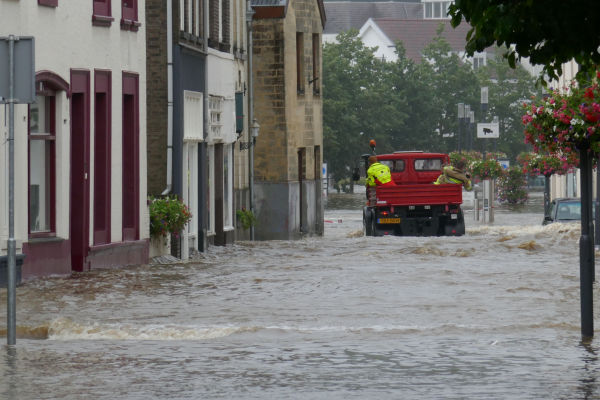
193,116
215,108
433,9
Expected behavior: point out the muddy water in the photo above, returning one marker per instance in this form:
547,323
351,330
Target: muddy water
491,315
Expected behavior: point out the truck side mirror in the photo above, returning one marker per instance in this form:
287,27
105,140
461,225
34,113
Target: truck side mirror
356,174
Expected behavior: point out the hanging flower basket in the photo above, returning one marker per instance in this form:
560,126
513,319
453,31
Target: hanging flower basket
488,169
547,164
564,121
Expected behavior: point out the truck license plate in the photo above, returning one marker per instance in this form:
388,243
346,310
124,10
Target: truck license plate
388,220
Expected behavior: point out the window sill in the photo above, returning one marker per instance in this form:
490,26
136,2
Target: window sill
102,20
48,3
129,25
44,238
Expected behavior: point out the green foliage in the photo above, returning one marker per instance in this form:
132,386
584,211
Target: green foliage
511,186
549,32
167,215
408,106
246,217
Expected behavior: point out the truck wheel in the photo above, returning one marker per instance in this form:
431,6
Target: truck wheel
367,225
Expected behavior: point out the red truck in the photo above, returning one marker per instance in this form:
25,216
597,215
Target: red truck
414,206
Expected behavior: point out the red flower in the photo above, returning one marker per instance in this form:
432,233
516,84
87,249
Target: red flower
589,93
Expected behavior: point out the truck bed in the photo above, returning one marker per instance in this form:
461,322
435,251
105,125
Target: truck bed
419,194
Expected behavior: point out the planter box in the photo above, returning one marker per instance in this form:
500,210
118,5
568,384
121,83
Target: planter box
160,246
4,269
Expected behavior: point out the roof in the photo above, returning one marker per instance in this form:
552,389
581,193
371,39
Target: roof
346,15
417,34
261,3
277,9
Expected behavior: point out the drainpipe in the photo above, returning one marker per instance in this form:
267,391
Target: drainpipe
249,14
205,114
169,98
205,34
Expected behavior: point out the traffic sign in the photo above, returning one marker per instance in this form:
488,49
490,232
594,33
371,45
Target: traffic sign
488,130
22,63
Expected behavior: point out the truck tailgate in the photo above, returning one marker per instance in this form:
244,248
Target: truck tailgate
419,194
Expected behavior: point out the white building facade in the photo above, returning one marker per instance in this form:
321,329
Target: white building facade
80,159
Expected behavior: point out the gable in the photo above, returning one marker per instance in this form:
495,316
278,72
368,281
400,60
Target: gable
345,15
266,9
417,34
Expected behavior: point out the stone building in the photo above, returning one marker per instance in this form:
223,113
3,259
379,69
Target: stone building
287,37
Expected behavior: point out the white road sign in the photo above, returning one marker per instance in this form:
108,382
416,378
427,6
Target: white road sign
488,130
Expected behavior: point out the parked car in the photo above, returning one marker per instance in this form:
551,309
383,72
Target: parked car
566,210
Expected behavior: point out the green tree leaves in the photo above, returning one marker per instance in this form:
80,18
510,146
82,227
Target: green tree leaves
549,32
408,106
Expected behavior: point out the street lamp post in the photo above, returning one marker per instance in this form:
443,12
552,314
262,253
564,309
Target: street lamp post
471,124
461,116
484,106
466,122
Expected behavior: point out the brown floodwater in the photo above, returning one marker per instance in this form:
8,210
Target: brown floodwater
490,315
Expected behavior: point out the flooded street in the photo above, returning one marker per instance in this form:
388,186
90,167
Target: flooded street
494,314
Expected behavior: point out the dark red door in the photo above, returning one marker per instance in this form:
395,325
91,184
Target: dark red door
80,189
131,175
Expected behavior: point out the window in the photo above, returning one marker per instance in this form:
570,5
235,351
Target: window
49,3
300,62
42,188
428,164
102,14
395,166
193,120
316,47
214,26
129,15
478,60
227,186
436,9
215,104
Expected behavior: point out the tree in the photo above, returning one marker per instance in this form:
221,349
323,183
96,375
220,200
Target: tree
360,103
450,81
549,32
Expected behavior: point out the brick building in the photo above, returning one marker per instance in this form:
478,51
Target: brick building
287,36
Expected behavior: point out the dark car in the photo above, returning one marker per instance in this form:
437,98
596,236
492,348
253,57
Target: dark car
566,210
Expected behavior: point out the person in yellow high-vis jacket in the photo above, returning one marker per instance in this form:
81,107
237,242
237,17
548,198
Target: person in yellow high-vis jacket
455,174
378,174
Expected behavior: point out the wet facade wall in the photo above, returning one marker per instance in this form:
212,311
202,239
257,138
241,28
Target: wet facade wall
289,111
